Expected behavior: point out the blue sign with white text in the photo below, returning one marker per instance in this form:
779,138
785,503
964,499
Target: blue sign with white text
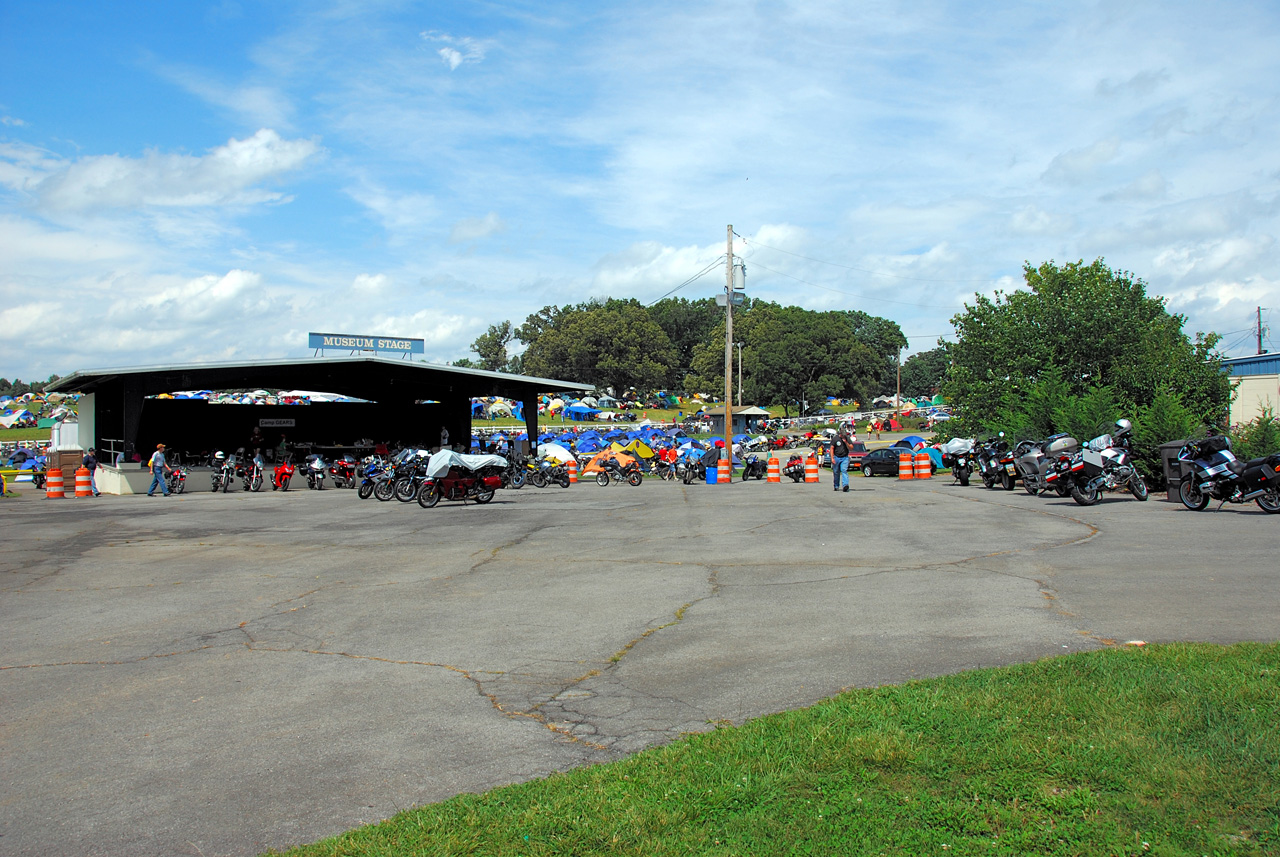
349,342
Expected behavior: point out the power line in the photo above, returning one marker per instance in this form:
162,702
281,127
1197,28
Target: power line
696,276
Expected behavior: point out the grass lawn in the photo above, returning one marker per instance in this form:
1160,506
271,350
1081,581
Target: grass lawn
1162,750
24,434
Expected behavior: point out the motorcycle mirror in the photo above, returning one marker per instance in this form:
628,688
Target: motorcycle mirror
1002,434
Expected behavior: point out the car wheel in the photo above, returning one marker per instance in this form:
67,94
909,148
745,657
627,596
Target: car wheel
867,470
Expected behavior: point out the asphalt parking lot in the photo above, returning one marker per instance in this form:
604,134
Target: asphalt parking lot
220,674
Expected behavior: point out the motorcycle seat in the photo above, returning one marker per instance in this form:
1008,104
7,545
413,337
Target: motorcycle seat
1237,466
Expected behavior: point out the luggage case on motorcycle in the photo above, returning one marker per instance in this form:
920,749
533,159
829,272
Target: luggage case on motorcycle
1061,445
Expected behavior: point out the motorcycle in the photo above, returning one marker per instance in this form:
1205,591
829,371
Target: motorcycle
281,474
513,476
407,472
614,471
991,466
664,469
224,472
177,479
343,472
957,454
1107,465
251,474
1035,457
548,471
1215,473
314,468
452,476
794,468
1064,473
753,468
375,472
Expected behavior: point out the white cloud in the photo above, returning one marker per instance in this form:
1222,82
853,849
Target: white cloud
475,228
456,50
1150,186
1079,165
225,176
12,121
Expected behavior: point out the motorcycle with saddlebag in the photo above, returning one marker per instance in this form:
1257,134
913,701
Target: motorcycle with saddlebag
1215,473
453,476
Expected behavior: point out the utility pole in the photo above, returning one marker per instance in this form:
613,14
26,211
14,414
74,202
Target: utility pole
739,374
728,347
1260,351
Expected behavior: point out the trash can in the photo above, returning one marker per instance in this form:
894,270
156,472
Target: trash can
1172,467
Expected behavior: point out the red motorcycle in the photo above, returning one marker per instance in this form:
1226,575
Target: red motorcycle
281,475
779,443
343,472
452,476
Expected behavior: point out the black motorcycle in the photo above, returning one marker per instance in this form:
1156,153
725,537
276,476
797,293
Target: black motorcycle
1108,465
1215,473
957,454
991,463
614,471
753,468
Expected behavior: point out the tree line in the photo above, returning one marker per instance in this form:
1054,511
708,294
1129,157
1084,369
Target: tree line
790,356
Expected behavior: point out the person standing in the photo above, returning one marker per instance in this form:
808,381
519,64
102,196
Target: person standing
444,437
90,463
158,468
840,461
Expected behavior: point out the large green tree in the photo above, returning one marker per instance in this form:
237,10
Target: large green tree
491,347
687,324
1094,327
609,344
923,373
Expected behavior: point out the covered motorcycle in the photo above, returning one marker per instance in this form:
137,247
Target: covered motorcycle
957,454
454,476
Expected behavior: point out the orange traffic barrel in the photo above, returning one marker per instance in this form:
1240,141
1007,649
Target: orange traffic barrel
923,469
811,469
84,484
724,471
53,483
573,471
774,471
905,470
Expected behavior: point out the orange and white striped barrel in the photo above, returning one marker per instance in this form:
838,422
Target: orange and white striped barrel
573,471
774,471
724,471
53,483
923,468
811,469
84,483
905,468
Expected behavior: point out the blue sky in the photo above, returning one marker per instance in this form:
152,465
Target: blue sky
211,181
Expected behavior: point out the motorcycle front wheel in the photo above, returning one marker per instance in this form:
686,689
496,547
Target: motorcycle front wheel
384,490
963,476
1270,502
365,491
226,485
255,484
1031,487
538,480
180,487
1138,487
1086,496
428,495
634,479
403,489
517,480
602,478
1191,495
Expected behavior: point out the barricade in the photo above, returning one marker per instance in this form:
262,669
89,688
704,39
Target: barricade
923,468
84,483
712,475
811,469
774,471
905,468
53,483
572,465
724,471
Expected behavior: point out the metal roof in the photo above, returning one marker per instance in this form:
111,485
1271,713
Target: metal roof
374,378
1253,364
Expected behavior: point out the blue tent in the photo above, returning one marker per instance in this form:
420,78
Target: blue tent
911,441
591,444
579,411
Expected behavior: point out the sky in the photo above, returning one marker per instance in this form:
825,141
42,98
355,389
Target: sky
193,182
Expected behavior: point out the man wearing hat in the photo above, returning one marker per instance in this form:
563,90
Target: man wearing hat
158,467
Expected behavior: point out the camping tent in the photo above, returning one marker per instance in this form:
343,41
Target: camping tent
556,451
596,464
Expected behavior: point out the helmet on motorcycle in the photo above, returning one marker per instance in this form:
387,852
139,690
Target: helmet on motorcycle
219,456
1123,426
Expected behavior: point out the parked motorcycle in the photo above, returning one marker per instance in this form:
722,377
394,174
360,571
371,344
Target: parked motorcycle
990,461
281,474
794,468
344,471
514,475
251,473
1035,457
548,471
615,471
452,476
1108,465
177,480
375,471
1215,473
753,468
314,468
224,472
957,454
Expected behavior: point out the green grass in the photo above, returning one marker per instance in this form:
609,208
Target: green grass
1163,750
24,434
